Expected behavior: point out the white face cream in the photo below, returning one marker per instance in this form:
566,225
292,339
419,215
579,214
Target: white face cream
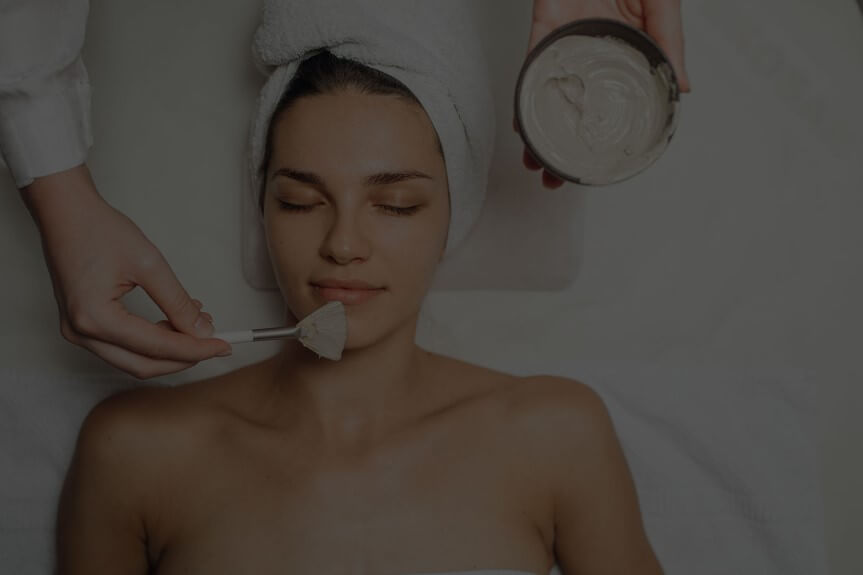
594,110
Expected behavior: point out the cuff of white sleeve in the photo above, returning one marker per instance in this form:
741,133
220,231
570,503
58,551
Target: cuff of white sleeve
47,134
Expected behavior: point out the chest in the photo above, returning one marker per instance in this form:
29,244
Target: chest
436,501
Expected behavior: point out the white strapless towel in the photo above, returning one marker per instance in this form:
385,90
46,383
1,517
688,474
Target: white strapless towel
479,572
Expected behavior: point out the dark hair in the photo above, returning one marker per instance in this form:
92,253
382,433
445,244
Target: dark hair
324,73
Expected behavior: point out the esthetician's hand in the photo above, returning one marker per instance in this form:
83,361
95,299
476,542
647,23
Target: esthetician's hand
95,255
660,19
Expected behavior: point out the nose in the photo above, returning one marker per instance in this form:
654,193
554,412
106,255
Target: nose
345,241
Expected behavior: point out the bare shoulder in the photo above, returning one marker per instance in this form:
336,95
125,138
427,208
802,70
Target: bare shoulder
137,416
163,408
128,450
560,416
143,431
134,428
572,394
116,423
548,404
577,453
115,433
555,400
546,415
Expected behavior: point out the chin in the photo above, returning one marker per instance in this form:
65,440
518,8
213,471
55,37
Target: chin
360,339
369,327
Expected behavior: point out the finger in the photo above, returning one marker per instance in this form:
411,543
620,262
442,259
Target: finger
149,340
160,283
529,161
166,325
663,21
550,180
132,363
203,313
538,31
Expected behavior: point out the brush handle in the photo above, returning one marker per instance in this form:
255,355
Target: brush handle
249,335
276,333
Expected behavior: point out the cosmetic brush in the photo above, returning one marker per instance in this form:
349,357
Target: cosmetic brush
323,331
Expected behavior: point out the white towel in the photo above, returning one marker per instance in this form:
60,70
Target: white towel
431,47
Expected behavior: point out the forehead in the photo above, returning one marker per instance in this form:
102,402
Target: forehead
349,128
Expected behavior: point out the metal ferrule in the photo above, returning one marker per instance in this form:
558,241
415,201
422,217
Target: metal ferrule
275,333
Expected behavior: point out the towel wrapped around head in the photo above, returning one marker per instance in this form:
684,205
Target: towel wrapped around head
431,46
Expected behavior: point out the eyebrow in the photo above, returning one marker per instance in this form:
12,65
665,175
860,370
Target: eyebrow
379,179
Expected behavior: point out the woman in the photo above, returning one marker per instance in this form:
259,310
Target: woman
393,460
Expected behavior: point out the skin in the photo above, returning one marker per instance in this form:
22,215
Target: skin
393,460
90,276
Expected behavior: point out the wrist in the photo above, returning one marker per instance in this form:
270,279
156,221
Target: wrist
61,193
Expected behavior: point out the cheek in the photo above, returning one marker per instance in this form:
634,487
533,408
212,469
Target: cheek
289,253
416,249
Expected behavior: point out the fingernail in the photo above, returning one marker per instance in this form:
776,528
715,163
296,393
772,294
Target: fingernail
225,353
203,328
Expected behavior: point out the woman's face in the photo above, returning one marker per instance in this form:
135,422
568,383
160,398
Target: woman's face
356,190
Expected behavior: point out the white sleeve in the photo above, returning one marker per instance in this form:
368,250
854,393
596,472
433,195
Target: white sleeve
44,88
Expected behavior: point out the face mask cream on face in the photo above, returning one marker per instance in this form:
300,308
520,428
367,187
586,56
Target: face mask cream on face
596,102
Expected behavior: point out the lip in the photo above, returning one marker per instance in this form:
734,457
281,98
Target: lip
346,296
344,284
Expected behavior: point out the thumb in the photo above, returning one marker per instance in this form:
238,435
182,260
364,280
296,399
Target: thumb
663,21
160,283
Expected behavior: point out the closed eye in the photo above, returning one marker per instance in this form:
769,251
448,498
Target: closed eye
295,207
401,211
287,206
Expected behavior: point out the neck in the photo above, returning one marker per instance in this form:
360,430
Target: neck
355,401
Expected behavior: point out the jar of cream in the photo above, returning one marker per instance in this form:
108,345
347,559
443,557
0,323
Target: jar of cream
596,102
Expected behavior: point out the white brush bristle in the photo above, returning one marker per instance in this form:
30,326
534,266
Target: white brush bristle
325,330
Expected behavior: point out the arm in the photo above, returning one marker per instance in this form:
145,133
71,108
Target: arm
94,253
100,524
44,87
597,520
